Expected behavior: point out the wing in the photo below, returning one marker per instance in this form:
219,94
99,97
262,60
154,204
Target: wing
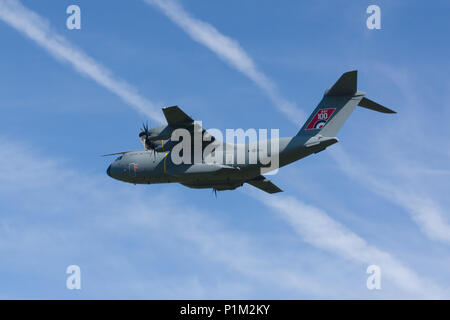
176,118
264,184
117,153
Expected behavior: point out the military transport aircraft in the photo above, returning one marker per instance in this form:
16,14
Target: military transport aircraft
219,167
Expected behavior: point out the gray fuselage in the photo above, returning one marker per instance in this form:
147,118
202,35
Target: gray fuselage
228,167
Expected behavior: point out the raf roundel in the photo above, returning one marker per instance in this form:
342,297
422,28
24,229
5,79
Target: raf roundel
320,124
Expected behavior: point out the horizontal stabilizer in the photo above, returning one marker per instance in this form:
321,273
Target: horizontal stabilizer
372,105
345,86
176,117
264,184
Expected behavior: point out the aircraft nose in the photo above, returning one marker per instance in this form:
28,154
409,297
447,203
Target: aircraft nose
108,171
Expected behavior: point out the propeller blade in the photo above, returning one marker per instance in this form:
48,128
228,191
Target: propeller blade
144,134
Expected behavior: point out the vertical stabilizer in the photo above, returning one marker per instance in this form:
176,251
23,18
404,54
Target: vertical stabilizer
335,107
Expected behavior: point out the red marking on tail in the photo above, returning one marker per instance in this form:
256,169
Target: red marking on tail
320,118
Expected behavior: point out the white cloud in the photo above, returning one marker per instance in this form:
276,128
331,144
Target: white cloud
228,50
39,30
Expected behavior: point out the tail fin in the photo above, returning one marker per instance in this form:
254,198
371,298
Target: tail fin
336,106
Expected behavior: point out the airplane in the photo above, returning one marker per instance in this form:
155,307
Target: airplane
219,169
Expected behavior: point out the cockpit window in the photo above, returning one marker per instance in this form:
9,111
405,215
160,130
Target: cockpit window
119,158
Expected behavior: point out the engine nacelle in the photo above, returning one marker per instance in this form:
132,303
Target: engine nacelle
164,145
160,133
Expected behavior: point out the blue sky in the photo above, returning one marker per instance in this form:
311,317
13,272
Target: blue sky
378,197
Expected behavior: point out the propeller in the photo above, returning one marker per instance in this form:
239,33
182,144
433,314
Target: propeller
143,135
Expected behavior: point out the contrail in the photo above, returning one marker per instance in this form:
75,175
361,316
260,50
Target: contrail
39,30
228,50
319,230
423,210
